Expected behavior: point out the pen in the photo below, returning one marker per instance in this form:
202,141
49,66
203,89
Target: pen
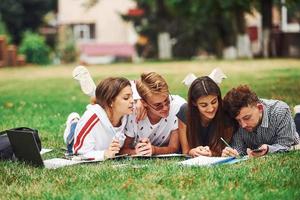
88,158
225,143
229,146
77,158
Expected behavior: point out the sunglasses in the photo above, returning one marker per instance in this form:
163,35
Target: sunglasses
160,106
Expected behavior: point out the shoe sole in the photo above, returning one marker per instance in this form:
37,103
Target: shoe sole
87,85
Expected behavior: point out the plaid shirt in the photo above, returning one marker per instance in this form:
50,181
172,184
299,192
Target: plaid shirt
277,130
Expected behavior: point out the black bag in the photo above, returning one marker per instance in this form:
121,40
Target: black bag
6,151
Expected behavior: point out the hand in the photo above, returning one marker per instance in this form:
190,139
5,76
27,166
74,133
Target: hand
200,151
140,111
144,147
264,151
112,150
229,152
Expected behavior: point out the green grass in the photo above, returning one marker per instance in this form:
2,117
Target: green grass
42,97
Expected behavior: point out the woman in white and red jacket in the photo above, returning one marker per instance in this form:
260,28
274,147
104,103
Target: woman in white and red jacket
99,133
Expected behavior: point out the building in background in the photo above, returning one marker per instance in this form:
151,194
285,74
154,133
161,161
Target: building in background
285,33
99,32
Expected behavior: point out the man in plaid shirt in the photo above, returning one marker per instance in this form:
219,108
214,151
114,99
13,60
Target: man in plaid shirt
265,126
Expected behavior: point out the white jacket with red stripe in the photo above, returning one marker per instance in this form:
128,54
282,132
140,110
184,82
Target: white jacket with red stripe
94,133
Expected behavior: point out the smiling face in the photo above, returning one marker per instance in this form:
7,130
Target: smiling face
123,103
158,104
207,106
250,117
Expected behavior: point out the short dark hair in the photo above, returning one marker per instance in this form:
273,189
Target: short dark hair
108,89
237,98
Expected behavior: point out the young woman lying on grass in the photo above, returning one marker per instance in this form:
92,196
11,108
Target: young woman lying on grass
202,121
153,128
99,133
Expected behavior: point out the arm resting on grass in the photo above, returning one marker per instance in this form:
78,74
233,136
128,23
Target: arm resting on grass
87,149
185,148
286,135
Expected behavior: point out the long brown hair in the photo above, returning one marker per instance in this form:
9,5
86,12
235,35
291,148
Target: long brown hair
220,127
108,89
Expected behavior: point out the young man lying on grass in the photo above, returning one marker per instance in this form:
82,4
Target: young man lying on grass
265,126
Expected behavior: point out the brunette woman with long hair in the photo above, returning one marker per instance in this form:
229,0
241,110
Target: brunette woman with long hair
202,121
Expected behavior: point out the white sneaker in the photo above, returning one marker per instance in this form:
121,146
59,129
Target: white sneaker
217,75
73,117
188,80
297,109
81,74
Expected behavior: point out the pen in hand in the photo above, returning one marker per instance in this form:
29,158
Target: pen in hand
238,156
225,143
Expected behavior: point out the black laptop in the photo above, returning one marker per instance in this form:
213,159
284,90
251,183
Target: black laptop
25,147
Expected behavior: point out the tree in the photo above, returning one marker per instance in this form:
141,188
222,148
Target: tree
211,25
22,15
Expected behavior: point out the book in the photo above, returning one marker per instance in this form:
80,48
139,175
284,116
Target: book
172,155
210,161
55,163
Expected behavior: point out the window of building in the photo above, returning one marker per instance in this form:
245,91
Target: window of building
84,32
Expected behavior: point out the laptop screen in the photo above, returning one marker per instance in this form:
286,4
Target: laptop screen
25,147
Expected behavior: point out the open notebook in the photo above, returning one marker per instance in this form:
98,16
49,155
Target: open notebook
172,155
209,161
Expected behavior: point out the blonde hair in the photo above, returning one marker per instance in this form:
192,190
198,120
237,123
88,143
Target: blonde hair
151,83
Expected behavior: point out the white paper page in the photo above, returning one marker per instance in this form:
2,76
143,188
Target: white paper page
169,155
59,162
205,161
44,150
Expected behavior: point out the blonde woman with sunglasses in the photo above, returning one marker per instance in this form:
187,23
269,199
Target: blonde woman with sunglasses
157,133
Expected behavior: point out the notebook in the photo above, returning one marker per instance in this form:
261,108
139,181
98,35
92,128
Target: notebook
206,161
172,155
26,150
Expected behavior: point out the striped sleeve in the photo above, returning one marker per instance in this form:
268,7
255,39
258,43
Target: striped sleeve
81,142
238,143
286,134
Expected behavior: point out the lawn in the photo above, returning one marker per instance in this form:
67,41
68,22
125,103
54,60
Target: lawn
42,98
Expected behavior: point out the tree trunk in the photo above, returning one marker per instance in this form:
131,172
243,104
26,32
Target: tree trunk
266,11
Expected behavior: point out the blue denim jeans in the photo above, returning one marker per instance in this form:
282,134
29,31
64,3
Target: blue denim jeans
70,138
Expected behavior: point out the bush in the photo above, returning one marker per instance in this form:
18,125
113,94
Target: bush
68,53
33,46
